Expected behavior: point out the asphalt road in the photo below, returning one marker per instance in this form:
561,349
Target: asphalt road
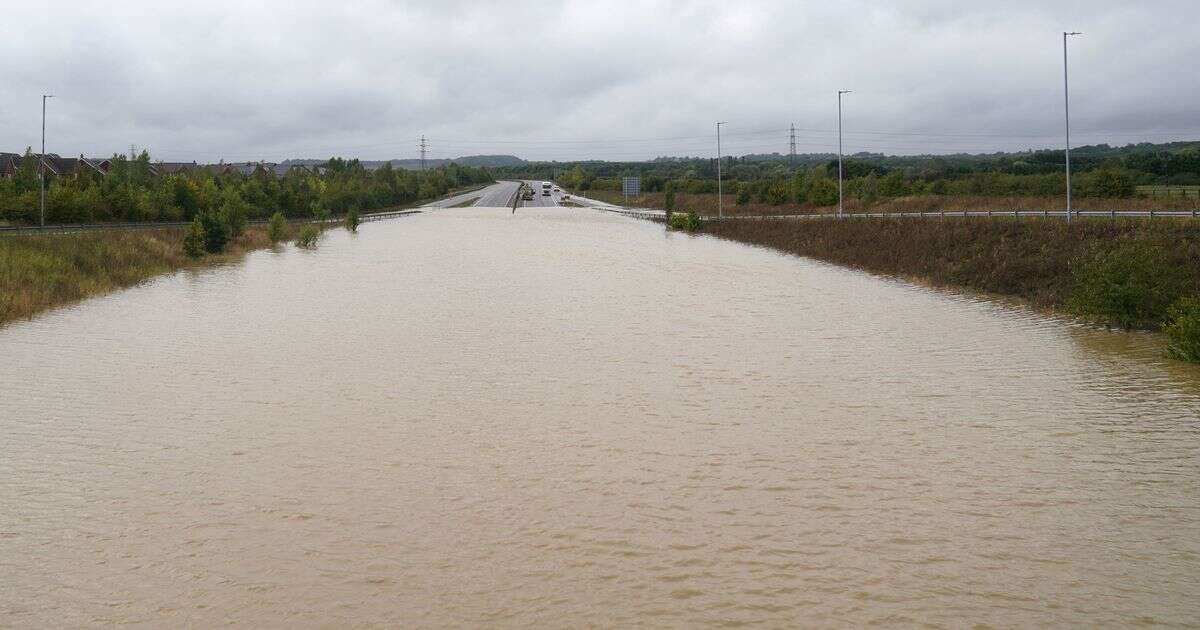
497,195
539,200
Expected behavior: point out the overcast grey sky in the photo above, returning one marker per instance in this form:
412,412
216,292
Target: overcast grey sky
612,80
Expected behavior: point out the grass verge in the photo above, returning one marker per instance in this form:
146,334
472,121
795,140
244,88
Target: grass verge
43,272
1032,260
706,204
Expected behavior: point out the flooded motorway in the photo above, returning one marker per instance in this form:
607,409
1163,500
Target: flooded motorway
561,417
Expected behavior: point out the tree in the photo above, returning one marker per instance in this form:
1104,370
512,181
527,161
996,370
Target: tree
319,210
799,186
138,172
216,232
893,185
233,211
193,239
1110,183
352,220
276,227
776,193
822,191
869,189
573,178
743,194
669,197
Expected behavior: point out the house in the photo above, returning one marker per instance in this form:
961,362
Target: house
9,163
258,169
283,170
248,169
173,168
61,166
99,165
55,165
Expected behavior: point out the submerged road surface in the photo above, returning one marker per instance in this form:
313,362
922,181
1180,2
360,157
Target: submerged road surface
564,417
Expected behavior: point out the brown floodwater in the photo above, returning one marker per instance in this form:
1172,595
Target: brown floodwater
568,418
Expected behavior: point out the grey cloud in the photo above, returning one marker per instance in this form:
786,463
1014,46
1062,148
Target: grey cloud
628,80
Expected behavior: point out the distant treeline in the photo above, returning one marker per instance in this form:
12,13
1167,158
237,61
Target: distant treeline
1100,171
130,191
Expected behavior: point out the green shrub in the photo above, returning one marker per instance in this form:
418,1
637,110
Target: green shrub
308,236
352,220
216,232
1130,286
743,194
1108,182
193,239
320,211
689,221
1183,330
277,227
822,191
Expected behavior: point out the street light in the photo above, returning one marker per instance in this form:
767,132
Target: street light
42,161
720,198
1067,111
840,93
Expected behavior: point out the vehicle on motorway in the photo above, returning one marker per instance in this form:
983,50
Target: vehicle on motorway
557,189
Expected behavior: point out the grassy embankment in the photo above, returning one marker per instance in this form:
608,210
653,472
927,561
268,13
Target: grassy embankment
1166,192
706,204
1033,260
42,272
38,273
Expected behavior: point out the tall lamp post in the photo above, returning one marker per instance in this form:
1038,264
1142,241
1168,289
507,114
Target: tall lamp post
1067,112
720,197
840,93
42,162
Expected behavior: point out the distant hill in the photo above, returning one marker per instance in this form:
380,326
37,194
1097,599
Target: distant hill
466,160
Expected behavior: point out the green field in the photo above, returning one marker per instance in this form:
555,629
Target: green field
1170,191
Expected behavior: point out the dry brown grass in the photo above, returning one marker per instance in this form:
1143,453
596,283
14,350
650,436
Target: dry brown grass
935,203
706,204
1028,259
42,272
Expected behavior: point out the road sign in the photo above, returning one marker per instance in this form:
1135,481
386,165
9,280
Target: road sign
631,186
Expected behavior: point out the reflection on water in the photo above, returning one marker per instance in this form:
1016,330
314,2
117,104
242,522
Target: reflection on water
560,417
